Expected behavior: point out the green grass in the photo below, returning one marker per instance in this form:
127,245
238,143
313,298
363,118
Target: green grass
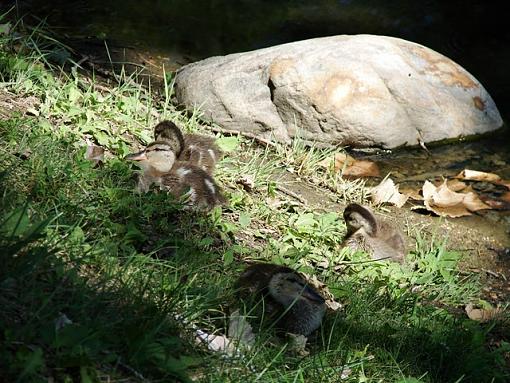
135,275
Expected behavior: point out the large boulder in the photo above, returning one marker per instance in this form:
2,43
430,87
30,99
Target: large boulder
360,90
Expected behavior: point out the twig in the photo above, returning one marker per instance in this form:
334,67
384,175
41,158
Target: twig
246,134
131,370
291,193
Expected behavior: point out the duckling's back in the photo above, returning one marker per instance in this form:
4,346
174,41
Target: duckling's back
201,151
255,279
192,182
387,243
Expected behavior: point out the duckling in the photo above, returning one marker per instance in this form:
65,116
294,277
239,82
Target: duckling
288,302
155,160
374,236
181,179
199,150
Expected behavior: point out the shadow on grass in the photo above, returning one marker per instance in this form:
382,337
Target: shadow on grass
79,299
415,338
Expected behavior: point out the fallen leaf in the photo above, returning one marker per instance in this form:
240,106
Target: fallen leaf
240,330
331,303
247,182
475,175
349,166
32,111
337,161
473,202
387,191
362,169
482,315
445,202
346,373
412,193
218,343
62,321
297,344
501,203
456,185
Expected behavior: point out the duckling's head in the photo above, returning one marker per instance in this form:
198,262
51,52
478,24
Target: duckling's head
157,156
359,217
170,133
288,288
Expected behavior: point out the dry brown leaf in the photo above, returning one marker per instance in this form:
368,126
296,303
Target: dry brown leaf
412,194
297,344
337,161
247,181
501,203
456,185
445,202
213,342
240,330
482,315
350,167
362,169
387,191
475,175
331,303
474,203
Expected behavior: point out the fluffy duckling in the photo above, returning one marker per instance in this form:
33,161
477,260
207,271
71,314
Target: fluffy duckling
374,236
199,150
156,160
181,179
288,302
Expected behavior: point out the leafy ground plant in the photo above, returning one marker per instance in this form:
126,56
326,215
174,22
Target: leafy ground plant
99,283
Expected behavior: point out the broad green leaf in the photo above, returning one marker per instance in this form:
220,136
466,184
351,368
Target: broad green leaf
228,257
228,144
244,220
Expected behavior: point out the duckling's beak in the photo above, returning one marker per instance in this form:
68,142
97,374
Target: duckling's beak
311,295
140,156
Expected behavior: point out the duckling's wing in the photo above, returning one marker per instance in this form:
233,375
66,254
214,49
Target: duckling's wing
203,146
392,236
